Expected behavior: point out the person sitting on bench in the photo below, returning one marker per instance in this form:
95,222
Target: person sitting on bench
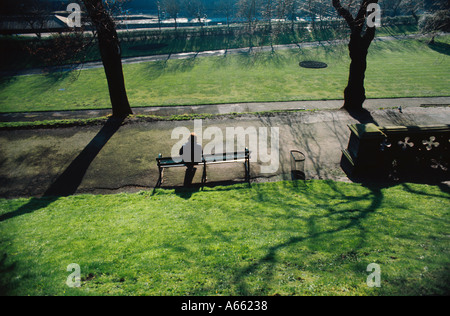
192,154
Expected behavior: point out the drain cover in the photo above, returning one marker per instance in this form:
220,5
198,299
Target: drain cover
313,64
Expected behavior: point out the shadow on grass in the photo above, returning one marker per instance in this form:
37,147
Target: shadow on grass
187,192
6,80
33,205
156,69
344,211
350,218
5,270
442,48
444,187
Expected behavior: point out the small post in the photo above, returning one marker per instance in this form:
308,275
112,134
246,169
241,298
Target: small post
247,161
158,184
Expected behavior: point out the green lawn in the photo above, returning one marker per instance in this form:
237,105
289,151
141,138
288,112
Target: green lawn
15,52
407,68
287,238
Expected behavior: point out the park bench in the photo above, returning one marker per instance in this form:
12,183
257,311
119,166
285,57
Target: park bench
208,159
409,151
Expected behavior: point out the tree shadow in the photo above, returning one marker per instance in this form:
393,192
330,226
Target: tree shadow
442,48
7,80
348,210
362,115
346,219
157,68
57,75
5,270
68,182
306,141
337,205
445,188
33,205
186,192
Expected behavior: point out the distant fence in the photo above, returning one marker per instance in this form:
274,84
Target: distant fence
14,25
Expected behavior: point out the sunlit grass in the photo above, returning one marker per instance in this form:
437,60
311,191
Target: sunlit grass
287,238
407,68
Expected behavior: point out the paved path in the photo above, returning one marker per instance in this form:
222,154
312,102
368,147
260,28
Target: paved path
371,104
111,159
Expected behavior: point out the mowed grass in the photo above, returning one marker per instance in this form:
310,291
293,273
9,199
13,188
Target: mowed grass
403,68
284,238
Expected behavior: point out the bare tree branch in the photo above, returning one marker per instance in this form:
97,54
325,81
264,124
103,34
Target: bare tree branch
344,13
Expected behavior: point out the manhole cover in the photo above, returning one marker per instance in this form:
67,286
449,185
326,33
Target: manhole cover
313,64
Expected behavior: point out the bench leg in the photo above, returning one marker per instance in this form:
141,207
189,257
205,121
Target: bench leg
204,177
160,179
247,171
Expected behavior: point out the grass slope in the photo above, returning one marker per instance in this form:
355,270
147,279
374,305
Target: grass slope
287,238
407,68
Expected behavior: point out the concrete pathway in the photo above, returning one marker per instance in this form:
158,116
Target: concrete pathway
111,159
371,104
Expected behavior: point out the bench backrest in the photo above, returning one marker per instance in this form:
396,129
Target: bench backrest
210,158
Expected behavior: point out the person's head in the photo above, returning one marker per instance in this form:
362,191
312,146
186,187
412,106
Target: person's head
193,138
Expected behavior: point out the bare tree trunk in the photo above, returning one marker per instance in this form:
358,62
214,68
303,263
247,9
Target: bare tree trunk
110,52
354,93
